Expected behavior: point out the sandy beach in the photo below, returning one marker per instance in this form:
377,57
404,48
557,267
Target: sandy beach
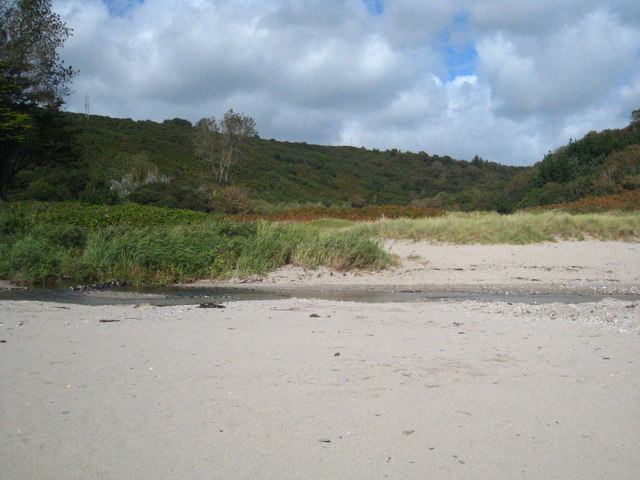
316,389
557,266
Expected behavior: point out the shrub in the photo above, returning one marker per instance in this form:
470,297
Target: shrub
98,216
623,201
170,196
148,245
231,200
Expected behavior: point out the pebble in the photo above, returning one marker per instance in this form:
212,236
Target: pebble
211,305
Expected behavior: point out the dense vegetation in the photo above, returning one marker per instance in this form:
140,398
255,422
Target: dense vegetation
150,163
599,164
45,244
33,83
626,201
49,243
154,163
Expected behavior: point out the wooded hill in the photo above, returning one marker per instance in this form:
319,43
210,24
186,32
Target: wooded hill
153,163
601,163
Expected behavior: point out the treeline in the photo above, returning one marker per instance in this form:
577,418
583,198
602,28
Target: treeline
154,163
599,164
102,160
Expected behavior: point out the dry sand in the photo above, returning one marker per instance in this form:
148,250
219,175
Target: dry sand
313,389
584,266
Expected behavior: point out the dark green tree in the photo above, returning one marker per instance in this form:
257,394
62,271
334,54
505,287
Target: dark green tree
32,78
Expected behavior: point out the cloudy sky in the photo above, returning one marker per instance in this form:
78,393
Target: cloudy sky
508,80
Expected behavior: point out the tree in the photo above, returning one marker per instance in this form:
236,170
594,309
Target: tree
32,77
635,117
220,143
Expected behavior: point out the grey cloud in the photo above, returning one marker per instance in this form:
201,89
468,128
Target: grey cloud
411,22
526,17
560,72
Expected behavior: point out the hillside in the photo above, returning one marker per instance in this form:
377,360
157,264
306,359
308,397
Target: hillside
601,163
281,171
153,163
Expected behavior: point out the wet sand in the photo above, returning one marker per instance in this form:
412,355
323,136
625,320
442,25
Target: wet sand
295,388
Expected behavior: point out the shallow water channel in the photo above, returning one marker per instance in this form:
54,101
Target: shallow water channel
167,296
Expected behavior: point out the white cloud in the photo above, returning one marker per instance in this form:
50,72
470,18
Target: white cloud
338,72
562,71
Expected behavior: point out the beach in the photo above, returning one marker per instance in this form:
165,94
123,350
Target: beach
550,266
303,388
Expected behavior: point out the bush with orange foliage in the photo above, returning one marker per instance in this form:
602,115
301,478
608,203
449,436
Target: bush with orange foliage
623,201
306,214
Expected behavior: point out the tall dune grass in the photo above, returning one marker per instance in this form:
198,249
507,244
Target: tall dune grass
75,252
50,253
518,228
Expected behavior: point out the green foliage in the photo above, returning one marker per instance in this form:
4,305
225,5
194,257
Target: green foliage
61,234
33,83
282,172
627,201
170,195
30,35
598,164
305,214
45,243
273,246
32,260
280,175
152,255
219,143
13,124
341,251
94,216
12,222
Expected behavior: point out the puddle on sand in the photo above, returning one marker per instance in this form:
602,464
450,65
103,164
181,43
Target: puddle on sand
166,296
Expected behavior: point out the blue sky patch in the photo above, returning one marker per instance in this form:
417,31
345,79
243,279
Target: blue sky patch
460,60
375,7
459,51
120,7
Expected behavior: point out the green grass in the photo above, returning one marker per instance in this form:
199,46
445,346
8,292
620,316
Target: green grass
33,252
341,251
53,243
518,228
